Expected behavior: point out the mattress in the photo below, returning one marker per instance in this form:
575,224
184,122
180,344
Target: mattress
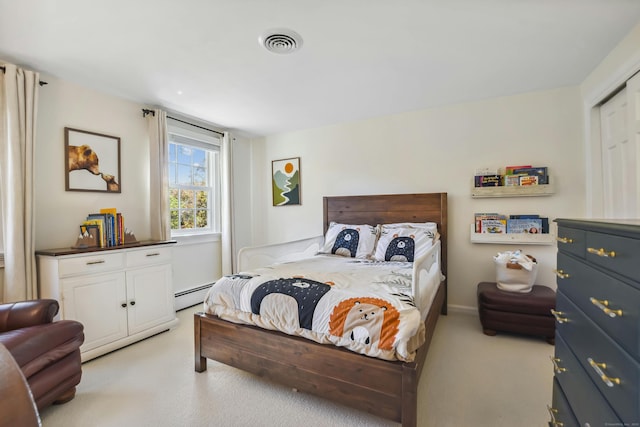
362,305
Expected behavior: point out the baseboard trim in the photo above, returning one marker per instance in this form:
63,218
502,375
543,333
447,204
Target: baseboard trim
462,309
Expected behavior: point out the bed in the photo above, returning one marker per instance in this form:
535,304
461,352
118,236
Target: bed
384,388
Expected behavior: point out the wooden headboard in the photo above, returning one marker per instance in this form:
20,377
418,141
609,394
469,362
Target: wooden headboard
390,208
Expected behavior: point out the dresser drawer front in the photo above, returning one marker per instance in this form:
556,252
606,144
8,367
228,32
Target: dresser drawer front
572,241
626,260
89,264
148,256
561,409
589,406
591,345
610,303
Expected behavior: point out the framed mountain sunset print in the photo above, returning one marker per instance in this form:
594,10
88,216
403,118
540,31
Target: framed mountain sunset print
285,181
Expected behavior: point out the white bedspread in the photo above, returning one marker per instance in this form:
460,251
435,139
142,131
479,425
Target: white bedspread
361,305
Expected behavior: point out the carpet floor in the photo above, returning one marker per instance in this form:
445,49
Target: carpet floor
469,379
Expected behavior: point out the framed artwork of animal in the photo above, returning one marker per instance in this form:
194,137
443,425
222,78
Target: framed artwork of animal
92,161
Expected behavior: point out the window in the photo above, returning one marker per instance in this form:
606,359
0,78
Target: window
194,180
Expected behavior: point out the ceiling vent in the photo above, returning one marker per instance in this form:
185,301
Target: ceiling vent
281,41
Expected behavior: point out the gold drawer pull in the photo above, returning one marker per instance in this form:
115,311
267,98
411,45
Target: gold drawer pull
598,367
561,274
552,414
558,315
601,252
564,240
556,368
98,261
604,306
153,254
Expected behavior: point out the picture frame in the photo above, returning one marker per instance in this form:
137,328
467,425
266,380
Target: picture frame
92,161
285,182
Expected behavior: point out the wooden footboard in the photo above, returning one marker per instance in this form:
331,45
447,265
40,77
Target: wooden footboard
383,388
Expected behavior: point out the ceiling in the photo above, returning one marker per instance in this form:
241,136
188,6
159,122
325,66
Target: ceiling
359,59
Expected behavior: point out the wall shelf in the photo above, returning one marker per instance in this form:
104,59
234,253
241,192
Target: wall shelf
513,191
511,238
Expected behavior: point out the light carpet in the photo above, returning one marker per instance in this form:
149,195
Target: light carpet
469,379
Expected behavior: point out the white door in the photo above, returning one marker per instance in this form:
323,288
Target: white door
620,136
633,122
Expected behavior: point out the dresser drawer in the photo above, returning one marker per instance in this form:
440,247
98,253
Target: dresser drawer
610,303
618,254
89,264
602,359
560,410
572,241
148,256
581,394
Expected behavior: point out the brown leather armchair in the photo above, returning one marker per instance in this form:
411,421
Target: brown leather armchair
47,352
16,402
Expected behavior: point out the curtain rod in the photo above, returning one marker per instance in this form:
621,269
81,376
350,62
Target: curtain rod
40,82
146,111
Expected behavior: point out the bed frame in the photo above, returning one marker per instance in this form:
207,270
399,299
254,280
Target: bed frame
383,388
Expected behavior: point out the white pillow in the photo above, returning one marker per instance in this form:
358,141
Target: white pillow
402,243
350,240
430,227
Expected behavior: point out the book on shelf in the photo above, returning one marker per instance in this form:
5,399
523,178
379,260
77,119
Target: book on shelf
509,170
540,172
479,216
110,227
524,225
528,180
493,226
99,223
511,180
488,180
511,176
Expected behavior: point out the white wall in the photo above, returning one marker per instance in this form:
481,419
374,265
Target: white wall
59,212
434,150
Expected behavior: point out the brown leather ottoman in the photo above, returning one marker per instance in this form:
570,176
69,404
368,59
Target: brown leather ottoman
524,313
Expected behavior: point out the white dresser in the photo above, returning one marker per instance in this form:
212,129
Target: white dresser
120,295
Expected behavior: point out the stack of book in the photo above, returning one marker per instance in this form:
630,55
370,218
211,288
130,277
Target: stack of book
497,223
107,226
512,176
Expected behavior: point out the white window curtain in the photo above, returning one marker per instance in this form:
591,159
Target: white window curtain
18,113
226,216
159,156
159,153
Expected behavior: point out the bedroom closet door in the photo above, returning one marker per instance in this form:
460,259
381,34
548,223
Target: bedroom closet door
620,128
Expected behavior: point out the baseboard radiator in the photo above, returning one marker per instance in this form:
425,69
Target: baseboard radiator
192,296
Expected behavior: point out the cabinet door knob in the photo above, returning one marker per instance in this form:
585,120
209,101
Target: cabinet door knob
123,305
132,303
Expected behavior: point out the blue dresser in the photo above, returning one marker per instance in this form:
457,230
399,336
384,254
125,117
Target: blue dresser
597,354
